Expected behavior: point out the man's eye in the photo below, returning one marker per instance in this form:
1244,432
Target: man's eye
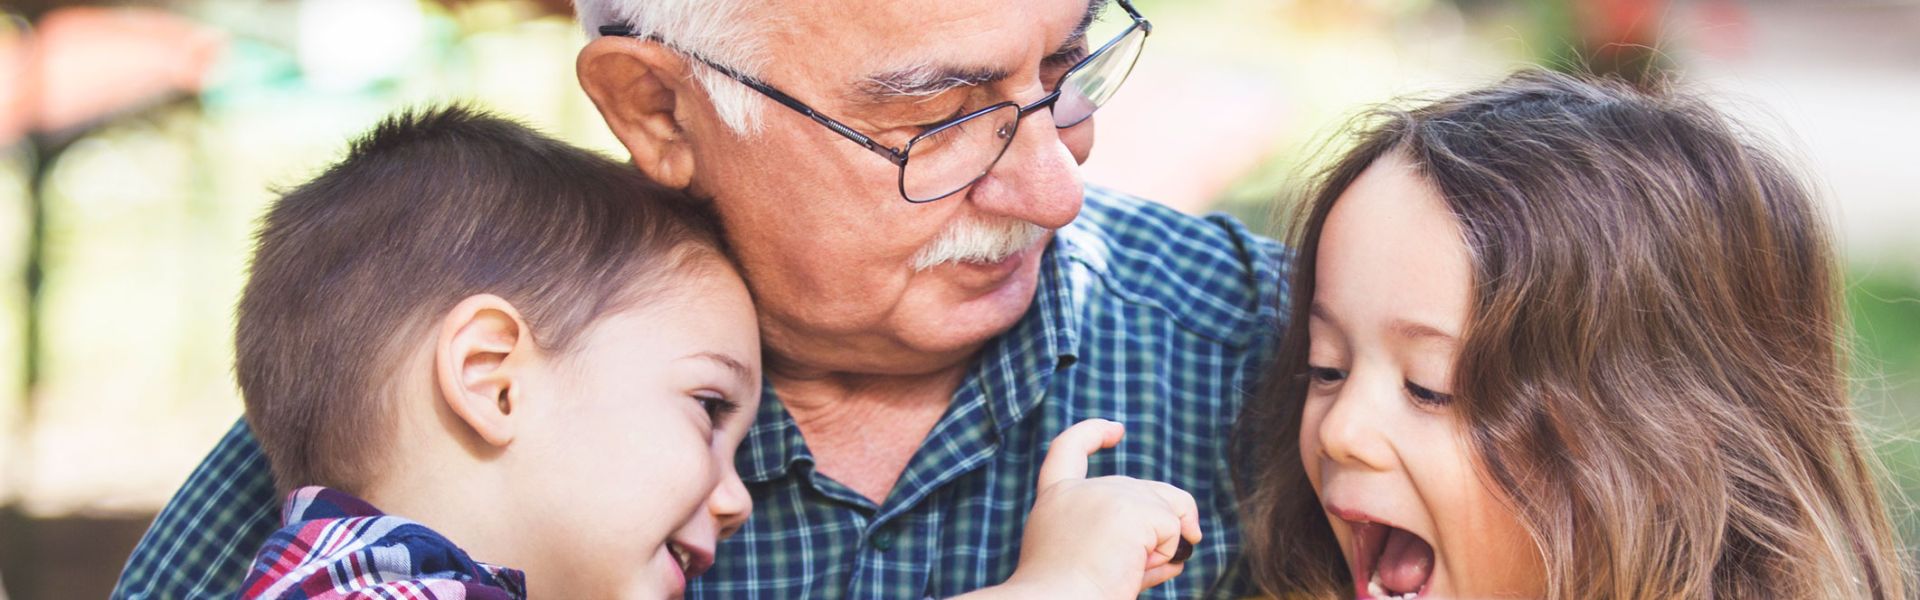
1055,67
1324,375
1427,397
1066,60
927,126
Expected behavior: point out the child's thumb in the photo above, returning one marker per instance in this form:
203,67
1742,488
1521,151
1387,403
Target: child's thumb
1067,457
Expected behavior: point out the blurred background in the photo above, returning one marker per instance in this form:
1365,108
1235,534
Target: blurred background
140,141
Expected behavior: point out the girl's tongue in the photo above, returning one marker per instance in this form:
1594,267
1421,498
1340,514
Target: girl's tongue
1405,562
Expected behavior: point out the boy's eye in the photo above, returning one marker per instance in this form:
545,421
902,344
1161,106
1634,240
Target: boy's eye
1324,375
1426,396
717,407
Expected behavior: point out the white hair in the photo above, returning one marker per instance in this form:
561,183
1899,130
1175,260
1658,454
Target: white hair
978,241
722,31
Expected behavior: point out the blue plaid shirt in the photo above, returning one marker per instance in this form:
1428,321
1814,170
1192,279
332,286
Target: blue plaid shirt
1143,315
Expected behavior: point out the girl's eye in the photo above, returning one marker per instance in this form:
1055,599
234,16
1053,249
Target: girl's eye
1428,397
1324,375
717,407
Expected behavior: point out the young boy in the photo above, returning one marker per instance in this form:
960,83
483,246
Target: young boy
514,343
534,351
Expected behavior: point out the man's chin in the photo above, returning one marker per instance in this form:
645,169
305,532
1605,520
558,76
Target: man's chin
974,302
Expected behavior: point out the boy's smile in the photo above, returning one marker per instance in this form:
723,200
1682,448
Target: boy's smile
631,460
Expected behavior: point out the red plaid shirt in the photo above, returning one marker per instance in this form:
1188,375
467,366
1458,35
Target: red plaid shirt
337,546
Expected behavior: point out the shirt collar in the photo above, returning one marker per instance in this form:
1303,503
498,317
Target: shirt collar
1010,369
1013,368
314,503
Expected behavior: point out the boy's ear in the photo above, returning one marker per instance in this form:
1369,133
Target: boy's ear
640,88
482,348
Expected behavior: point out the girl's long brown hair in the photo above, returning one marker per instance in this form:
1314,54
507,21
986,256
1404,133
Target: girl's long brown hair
1652,371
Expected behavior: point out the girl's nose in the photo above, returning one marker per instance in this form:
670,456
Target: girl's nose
1351,433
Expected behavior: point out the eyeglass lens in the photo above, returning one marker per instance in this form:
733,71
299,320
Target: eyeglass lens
945,160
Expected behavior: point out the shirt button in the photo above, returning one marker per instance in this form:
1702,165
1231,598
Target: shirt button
883,540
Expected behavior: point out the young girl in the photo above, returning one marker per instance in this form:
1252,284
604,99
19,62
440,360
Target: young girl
1563,339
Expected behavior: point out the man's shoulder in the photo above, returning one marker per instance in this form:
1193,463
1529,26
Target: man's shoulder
1211,274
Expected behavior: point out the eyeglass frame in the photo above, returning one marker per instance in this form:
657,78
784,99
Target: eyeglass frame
899,156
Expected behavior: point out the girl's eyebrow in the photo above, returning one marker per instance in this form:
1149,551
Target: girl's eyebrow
1414,330
1405,328
1321,312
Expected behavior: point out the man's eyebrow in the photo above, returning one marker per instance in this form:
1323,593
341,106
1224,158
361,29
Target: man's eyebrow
922,80
738,367
1086,22
926,79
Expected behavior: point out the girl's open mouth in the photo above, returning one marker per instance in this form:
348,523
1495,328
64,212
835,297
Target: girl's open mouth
1390,563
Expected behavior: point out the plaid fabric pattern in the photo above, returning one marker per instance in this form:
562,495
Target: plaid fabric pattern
338,546
1143,315
202,542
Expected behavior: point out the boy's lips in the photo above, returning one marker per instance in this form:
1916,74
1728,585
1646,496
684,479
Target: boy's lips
693,560
1387,561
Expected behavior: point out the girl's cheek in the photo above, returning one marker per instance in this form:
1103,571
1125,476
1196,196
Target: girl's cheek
1314,410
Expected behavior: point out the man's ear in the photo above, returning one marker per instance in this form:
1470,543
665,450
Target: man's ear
640,87
479,357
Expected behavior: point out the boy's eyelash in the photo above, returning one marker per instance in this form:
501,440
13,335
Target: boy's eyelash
1427,397
718,407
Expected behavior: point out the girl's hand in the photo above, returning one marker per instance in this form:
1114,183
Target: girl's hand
1107,537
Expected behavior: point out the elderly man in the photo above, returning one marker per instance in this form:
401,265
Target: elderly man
939,294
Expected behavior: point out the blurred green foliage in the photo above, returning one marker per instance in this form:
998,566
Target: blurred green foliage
1884,305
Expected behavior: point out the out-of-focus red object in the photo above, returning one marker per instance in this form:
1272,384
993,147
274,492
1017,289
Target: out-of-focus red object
82,64
1621,22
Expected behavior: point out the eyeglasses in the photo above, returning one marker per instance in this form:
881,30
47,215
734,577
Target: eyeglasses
948,157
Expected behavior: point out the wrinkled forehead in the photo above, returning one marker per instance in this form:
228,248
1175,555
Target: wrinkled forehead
845,41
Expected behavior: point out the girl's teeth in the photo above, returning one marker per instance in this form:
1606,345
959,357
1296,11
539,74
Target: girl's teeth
1378,591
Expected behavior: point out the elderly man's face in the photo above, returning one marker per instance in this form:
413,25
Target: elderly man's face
818,222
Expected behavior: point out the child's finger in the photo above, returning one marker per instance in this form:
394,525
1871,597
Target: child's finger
1067,456
1160,574
1183,507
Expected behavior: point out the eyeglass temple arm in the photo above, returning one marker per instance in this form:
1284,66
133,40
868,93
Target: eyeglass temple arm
895,156
1137,17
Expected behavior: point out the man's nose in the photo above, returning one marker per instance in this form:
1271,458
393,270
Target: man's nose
1351,433
1037,180
730,503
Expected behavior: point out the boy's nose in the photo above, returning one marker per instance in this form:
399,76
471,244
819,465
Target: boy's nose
730,504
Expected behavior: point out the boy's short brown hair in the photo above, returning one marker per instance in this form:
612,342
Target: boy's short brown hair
353,268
